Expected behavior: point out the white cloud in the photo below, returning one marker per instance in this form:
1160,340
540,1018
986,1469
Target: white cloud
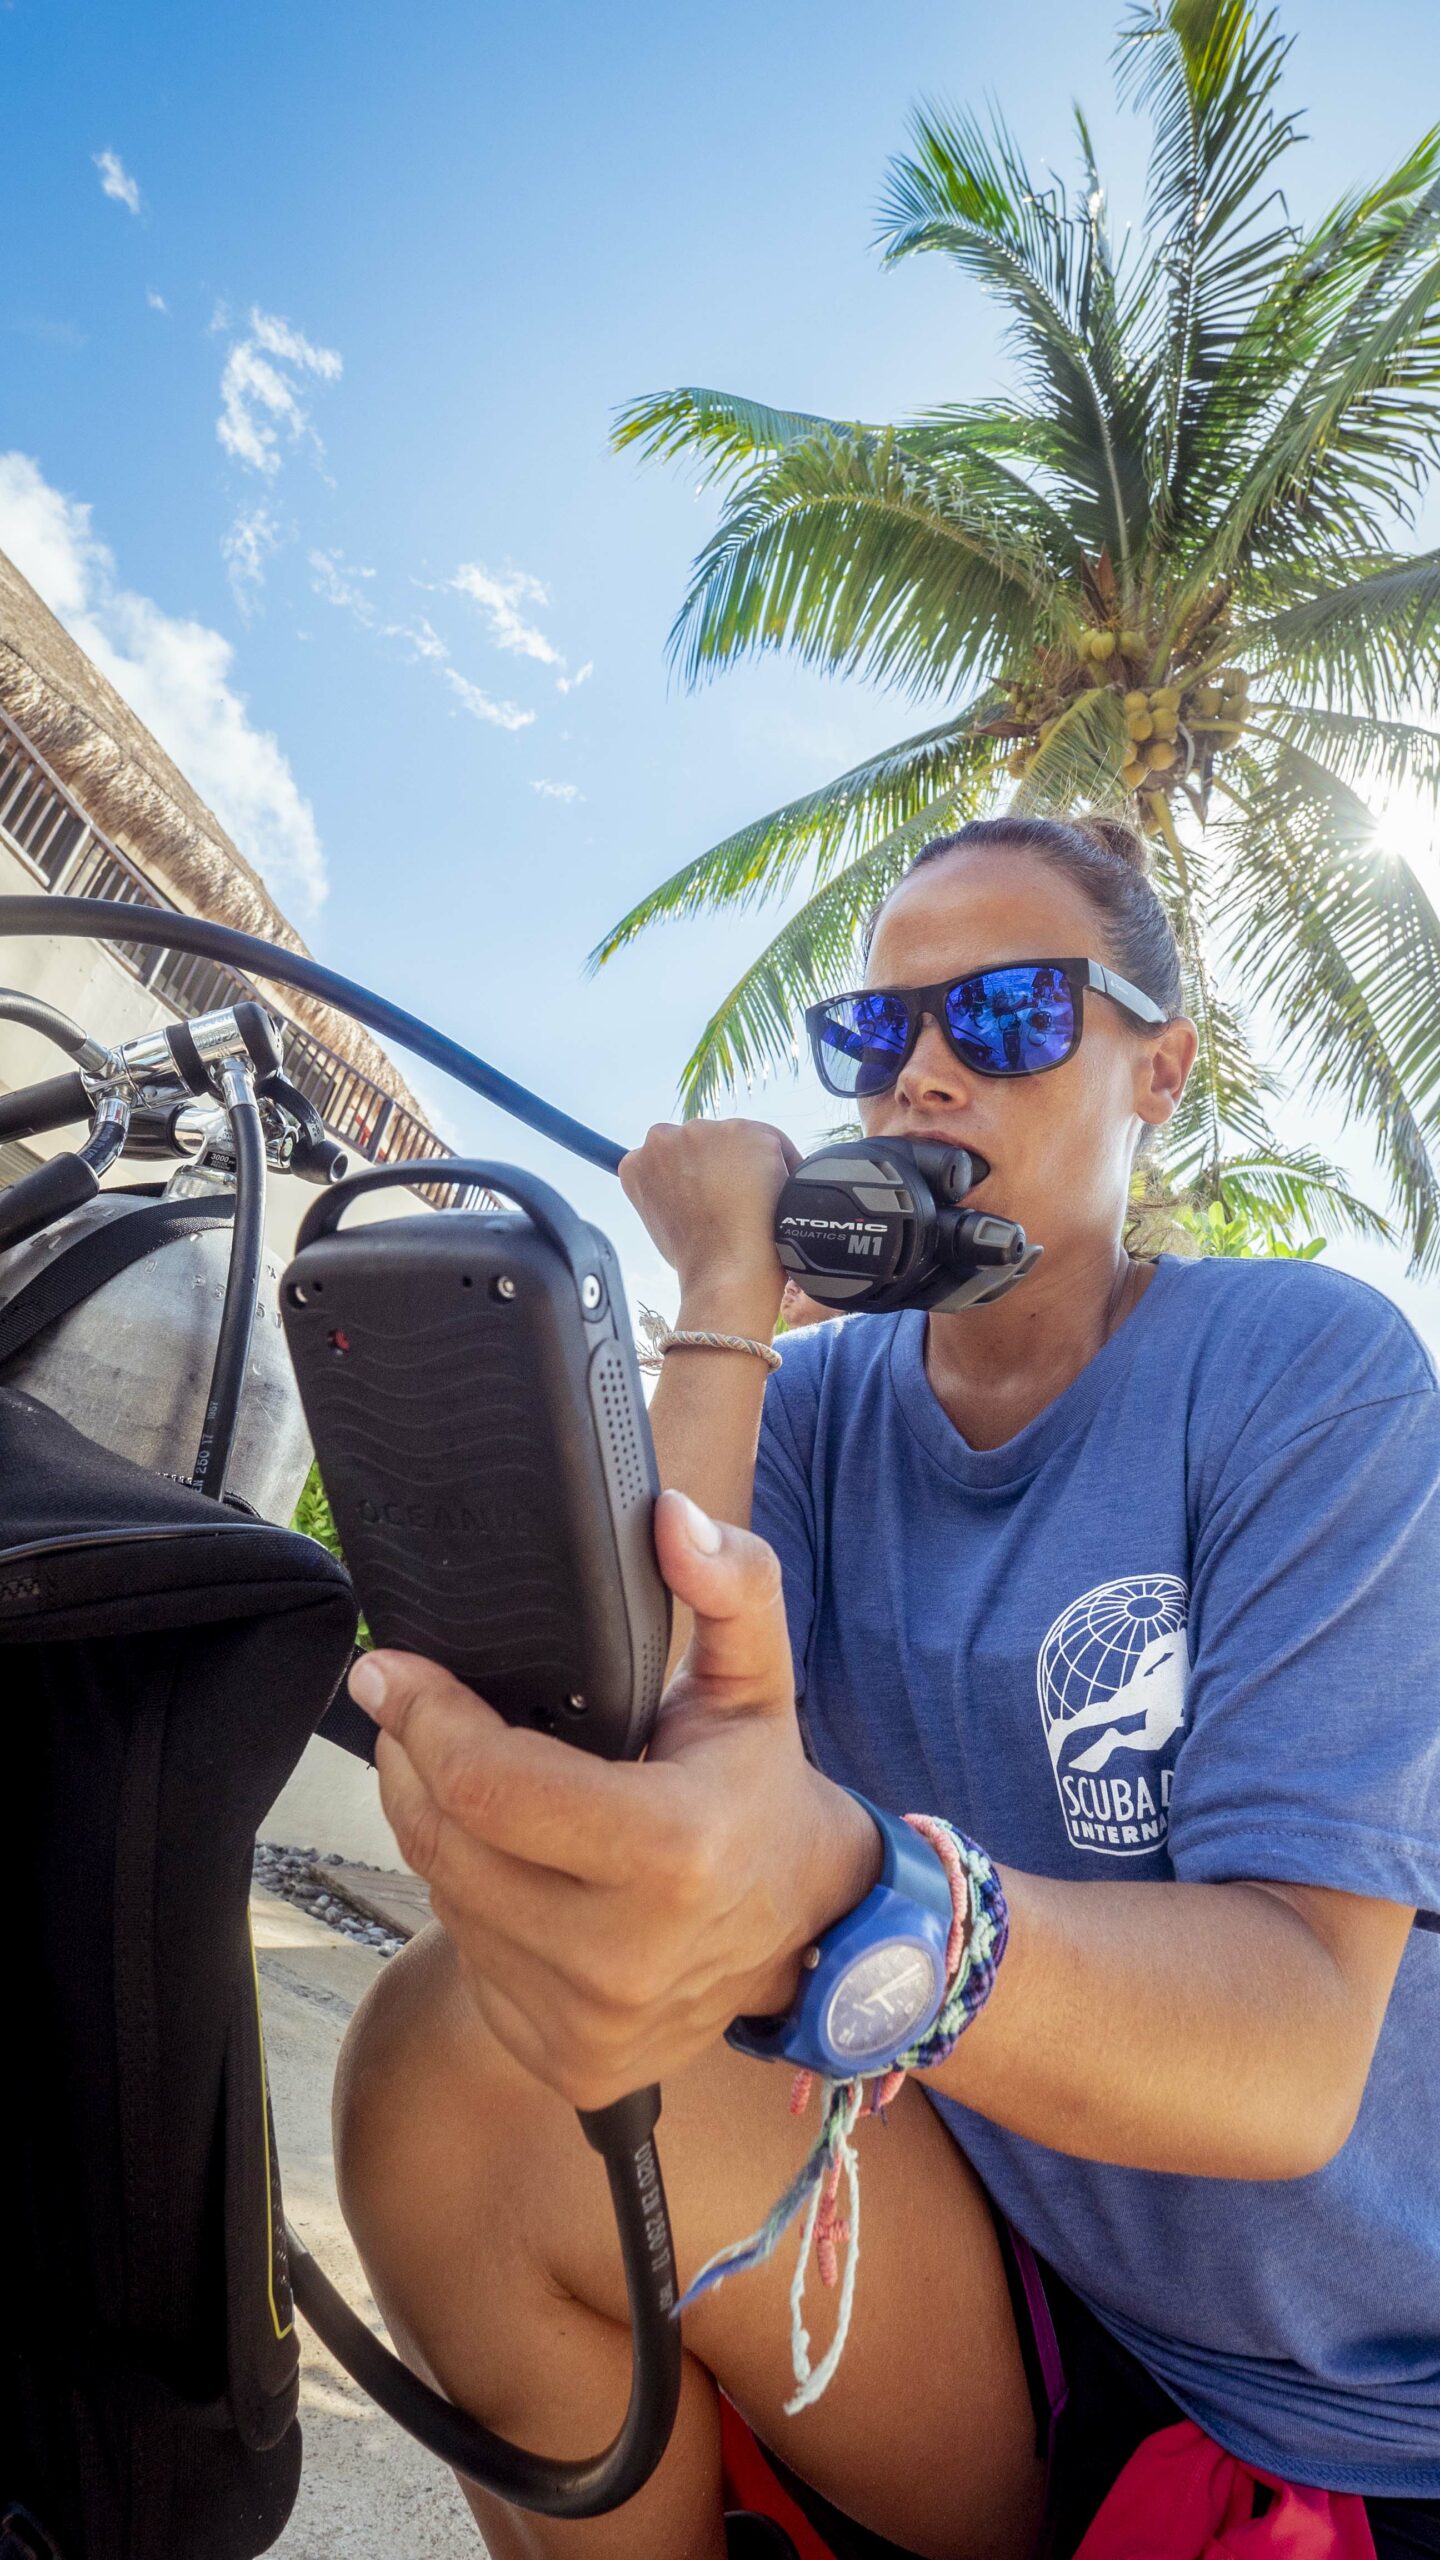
568,684
175,673
156,301
116,181
253,539
558,790
334,578
498,599
506,715
420,638
260,396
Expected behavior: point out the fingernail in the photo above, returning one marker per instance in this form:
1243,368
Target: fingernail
702,1532
367,1685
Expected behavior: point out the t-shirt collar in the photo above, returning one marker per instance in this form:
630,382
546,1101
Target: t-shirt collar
1016,1461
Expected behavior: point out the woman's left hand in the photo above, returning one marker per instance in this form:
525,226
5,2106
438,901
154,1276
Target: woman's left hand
611,1918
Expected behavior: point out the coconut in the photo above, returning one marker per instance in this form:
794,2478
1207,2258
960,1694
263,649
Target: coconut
1167,724
1016,762
1102,645
1137,701
1140,726
1166,697
1132,774
1133,643
1160,754
1207,698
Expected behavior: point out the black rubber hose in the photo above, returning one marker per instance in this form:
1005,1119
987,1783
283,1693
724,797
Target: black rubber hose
34,1108
110,920
623,2136
242,1292
17,1006
66,1182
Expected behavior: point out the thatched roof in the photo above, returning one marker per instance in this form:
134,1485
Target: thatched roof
132,792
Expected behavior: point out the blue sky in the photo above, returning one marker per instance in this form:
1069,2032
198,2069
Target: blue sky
323,313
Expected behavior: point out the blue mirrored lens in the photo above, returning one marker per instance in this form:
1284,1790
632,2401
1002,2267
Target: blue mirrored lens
1012,1022
861,1047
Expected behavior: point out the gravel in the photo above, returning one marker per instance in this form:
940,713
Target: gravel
290,1873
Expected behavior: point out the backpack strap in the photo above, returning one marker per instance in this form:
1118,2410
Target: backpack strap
107,1250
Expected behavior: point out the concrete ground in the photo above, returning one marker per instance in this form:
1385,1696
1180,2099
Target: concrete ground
367,2492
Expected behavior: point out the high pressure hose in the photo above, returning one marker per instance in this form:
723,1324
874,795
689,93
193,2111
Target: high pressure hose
622,2134
242,1280
149,929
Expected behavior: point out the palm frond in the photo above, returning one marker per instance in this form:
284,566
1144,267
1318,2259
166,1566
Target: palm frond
1360,421
1291,325
1346,949
1228,1089
1207,71
855,557
817,951
1360,750
868,804
1371,640
723,430
970,195
1297,1187
1078,764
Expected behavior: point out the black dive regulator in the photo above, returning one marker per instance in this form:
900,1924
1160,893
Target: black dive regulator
871,1224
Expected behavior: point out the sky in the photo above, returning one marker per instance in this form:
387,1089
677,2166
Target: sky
313,327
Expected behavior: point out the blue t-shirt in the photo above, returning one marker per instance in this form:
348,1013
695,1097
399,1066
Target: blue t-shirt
1186,1623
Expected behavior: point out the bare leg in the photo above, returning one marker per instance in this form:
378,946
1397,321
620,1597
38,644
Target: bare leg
484,2222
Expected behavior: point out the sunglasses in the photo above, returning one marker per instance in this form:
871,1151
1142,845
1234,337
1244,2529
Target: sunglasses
1020,1019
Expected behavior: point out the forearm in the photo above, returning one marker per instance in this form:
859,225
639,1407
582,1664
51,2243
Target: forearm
1198,2028
705,1413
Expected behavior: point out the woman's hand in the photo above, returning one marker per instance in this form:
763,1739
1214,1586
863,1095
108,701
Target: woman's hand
610,1919
706,1190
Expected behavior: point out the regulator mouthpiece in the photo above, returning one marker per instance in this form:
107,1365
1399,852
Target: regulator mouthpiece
873,1224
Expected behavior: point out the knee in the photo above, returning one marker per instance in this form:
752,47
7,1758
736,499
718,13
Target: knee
420,2083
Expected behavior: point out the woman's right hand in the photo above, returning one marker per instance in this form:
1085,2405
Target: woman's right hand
706,1190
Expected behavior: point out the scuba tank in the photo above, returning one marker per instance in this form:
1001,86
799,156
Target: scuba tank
128,1362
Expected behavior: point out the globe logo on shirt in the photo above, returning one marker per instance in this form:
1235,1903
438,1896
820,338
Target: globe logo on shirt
1112,1674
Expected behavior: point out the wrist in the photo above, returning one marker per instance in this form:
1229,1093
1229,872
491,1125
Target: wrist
739,1301
844,1863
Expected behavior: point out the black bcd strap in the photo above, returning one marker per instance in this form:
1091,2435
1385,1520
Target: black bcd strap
100,1256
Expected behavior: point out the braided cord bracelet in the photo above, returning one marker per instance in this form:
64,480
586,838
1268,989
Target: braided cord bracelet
765,1351
979,1932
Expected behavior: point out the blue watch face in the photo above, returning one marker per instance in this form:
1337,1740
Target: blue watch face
882,2000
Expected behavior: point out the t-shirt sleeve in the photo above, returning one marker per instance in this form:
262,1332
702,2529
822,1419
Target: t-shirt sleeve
1312,1731
783,1514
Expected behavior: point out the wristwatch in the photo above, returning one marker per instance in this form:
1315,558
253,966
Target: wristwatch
874,1983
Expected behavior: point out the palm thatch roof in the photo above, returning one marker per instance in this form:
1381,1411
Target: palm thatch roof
132,792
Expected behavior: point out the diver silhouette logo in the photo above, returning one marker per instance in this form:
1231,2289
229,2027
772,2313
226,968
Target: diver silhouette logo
1111,1675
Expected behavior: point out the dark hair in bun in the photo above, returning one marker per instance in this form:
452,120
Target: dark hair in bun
1110,862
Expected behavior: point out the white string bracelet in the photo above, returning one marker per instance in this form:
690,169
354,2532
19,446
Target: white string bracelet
765,1351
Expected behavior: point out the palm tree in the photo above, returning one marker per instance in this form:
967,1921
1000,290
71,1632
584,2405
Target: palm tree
1165,573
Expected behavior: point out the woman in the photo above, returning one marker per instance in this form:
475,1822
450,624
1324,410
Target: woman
1135,1577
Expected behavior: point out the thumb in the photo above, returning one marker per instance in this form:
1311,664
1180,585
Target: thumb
730,1581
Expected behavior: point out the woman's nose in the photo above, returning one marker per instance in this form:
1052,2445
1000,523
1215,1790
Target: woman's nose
932,1073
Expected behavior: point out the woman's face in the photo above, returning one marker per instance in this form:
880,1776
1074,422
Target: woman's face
1060,1145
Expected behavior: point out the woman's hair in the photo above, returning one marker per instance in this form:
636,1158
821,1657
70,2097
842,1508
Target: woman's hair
1108,861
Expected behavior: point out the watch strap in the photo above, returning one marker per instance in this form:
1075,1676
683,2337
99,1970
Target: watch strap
912,1880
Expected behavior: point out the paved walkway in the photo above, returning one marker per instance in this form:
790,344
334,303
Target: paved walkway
367,2492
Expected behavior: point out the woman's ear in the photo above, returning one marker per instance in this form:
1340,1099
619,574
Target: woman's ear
1163,1070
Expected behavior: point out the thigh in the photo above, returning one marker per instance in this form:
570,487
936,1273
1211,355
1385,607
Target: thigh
926,2433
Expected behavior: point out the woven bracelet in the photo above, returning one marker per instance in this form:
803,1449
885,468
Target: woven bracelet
979,1930
765,1351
